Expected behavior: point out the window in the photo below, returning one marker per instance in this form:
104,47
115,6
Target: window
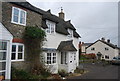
74,56
70,33
63,58
18,16
51,58
92,48
106,57
51,27
17,52
106,49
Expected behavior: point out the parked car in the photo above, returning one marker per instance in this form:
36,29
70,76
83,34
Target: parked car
116,60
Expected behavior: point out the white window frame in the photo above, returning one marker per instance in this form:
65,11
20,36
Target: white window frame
50,25
70,33
51,58
16,53
19,16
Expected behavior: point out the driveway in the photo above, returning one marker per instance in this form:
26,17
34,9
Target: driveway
98,71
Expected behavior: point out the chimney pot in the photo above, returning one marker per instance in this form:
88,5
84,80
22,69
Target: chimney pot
108,40
103,39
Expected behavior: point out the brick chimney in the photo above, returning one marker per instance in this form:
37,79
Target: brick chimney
61,14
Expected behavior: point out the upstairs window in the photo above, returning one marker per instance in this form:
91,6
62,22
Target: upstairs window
18,16
70,33
17,52
93,48
106,49
51,27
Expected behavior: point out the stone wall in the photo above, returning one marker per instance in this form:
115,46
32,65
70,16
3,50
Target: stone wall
17,30
32,19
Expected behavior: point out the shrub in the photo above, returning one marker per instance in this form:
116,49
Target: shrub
63,73
78,70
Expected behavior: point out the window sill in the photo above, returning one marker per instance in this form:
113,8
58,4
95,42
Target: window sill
17,60
18,23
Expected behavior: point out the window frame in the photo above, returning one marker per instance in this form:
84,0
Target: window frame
16,53
51,25
106,48
19,16
52,61
70,31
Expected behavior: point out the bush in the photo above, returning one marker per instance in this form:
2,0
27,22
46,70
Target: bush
63,73
21,74
78,70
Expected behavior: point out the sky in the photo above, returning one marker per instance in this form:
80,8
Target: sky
92,19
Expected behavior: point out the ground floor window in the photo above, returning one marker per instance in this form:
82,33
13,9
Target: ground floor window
17,52
63,58
51,58
106,57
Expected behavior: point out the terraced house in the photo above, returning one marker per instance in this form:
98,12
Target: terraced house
60,51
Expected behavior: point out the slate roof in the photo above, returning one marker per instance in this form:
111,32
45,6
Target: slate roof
66,46
61,25
109,44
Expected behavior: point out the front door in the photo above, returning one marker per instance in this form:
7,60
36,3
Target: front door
71,61
3,57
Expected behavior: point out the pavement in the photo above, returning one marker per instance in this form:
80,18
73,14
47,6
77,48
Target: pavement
98,71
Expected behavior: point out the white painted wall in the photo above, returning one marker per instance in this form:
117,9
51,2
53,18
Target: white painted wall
53,41
5,35
100,47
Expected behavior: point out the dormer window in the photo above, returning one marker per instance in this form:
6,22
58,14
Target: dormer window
70,33
18,16
51,27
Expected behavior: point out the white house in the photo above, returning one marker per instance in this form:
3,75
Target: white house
5,52
61,47
103,49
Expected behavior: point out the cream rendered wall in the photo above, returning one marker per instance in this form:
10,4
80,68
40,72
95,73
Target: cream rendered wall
100,47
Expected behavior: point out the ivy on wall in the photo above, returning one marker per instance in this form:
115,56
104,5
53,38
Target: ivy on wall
33,40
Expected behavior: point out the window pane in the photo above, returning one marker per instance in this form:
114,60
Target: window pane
2,55
15,15
2,74
13,48
20,48
3,45
54,59
16,12
22,17
54,54
48,54
13,56
2,65
19,55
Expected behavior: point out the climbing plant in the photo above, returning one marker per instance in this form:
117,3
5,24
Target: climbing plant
33,39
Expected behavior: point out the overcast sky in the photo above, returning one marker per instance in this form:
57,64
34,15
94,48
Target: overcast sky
92,20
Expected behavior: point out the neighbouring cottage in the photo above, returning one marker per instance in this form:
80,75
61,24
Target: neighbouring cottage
103,49
60,49
83,46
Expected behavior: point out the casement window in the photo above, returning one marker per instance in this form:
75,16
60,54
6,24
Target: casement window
51,27
106,49
70,33
92,48
17,52
51,58
18,16
63,58
106,57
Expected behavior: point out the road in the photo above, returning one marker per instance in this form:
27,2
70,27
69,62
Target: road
98,71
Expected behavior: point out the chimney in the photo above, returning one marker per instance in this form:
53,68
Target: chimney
61,14
108,41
